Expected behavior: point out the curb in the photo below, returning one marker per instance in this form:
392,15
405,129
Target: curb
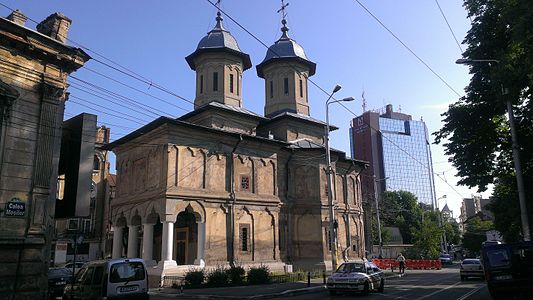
286,293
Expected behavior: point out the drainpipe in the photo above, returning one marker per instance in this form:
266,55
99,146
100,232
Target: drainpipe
232,204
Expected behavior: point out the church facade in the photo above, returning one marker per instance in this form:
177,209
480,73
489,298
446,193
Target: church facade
223,185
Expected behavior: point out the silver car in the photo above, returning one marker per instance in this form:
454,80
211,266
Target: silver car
471,267
357,276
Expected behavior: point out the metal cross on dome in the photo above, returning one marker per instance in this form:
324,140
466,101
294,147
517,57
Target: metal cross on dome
282,9
217,4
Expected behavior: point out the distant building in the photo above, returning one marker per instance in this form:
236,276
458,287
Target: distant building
447,214
398,150
93,228
475,206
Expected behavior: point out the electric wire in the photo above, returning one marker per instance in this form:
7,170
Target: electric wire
407,47
449,27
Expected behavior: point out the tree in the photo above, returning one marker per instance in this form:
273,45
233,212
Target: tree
475,132
401,209
475,233
427,237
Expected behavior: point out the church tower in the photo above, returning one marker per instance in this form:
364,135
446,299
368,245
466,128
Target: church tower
285,70
219,63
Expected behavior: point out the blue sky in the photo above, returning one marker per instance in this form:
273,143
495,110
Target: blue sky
350,48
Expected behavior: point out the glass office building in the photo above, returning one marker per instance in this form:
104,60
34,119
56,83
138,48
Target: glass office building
407,158
398,151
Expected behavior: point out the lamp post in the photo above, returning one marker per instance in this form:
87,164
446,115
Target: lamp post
377,213
516,156
441,223
332,235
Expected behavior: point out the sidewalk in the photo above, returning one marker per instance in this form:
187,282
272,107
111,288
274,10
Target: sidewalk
267,291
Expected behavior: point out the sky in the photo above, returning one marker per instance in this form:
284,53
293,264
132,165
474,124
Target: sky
349,46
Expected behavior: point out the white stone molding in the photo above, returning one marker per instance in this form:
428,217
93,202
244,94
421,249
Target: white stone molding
147,245
133,241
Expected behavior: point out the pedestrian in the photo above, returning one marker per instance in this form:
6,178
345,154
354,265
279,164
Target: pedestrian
401,261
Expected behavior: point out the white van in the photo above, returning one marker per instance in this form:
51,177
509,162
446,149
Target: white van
110,279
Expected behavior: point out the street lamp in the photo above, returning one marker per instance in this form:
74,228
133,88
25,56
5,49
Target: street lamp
332,235
377,213
516,156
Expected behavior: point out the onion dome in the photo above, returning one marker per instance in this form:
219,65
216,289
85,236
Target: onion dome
285,49
217,40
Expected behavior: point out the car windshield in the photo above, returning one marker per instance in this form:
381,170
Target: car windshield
127,271
498,257
351,267
59,272
471,262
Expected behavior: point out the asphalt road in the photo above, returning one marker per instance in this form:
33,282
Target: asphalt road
417,285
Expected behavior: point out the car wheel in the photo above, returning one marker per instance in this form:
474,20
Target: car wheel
366,288
332,292
381,286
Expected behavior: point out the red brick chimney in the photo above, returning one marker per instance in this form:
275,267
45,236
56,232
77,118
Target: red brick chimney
55,26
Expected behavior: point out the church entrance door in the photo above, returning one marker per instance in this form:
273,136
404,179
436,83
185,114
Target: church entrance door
181,245
185,238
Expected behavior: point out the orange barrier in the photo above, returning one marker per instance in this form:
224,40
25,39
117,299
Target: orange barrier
422,264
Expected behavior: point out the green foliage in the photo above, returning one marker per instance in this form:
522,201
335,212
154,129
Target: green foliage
259,275
475,235
218,277
428,236
236,275
194,278
453,236
401,209
476,132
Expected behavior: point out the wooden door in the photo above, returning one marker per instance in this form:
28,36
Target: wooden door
180,245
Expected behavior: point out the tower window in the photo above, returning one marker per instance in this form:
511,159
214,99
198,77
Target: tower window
286,86
215,81
201,84
301,88
231,83
271,89
237,84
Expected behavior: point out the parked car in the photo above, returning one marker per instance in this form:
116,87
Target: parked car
357,276
58,278
124,278
508,269
74,266
471,267
445,259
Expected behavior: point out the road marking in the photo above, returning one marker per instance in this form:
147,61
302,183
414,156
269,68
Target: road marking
436,292
471,292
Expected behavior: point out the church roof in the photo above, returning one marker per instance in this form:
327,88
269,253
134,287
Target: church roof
306,118
216,40
221,106
308,144
286,49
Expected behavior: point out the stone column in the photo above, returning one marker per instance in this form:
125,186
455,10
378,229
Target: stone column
148,241
168,239
117,242
201,245
133,241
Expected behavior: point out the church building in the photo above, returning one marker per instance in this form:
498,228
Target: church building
222,185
